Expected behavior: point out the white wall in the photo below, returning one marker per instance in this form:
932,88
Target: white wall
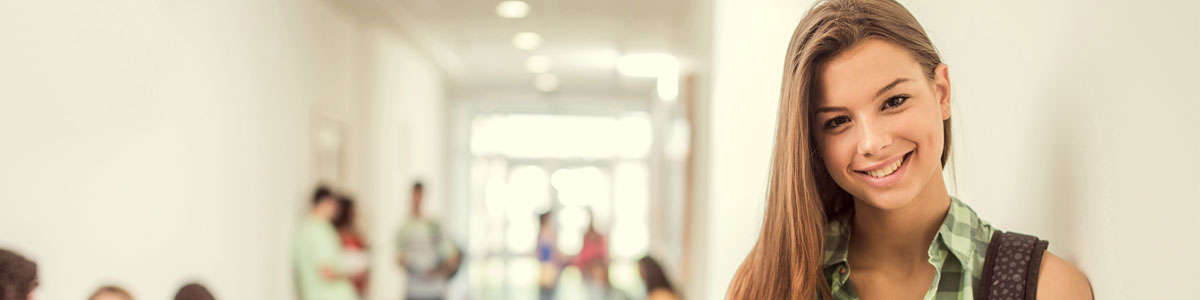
150,143
1073,121
1077,125
404,141
749,39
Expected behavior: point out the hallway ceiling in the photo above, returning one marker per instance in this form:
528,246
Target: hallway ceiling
582,38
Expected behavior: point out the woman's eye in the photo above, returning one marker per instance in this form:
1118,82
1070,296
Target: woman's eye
836,122
895,101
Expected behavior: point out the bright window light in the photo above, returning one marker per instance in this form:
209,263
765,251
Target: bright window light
662,66
585,187
530,185
678,141
630,239
572,223
647,64
522,233
631,194
562,136
668,85
523,276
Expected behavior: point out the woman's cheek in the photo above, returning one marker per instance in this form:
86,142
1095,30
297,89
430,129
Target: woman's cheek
837,156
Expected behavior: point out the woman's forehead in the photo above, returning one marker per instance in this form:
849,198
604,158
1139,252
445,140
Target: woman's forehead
860,72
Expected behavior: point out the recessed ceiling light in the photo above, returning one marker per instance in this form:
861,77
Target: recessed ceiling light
538,64
527,40
512,9
546,82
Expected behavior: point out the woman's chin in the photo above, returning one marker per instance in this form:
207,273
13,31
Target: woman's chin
889,200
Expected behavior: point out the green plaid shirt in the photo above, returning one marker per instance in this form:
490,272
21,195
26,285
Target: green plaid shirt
957,252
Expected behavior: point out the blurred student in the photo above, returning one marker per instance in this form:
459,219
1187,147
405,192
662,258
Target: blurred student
317,253
592,260
658,287
595,245
18,276
548,256
111,292
427,255
193,291
354,248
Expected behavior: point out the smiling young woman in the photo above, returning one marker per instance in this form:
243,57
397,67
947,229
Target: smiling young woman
863,135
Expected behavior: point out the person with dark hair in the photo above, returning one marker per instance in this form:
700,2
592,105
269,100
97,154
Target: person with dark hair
427,254
18,276
354,248
317,253
321,194
658,287
111,292
549,257
193,291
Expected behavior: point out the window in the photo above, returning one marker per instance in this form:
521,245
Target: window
578,167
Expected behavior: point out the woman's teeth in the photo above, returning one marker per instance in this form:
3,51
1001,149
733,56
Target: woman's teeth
885,171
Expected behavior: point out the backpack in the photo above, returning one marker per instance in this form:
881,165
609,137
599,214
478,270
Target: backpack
1011,267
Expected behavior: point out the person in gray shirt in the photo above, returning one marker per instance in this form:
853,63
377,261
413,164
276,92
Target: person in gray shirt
428,256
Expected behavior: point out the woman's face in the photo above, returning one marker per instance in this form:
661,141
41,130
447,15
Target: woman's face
878,123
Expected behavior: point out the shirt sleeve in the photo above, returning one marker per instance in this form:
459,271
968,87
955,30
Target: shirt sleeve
306,265
447,246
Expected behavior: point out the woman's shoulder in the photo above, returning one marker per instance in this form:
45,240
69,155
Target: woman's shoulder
1059,279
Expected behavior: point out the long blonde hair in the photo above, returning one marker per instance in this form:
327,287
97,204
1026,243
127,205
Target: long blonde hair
786,261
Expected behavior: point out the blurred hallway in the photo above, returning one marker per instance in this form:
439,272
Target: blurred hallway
149,144
179,141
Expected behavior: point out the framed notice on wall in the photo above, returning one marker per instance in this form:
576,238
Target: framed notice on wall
328,150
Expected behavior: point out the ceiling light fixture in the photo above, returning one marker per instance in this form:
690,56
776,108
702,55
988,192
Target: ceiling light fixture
512,9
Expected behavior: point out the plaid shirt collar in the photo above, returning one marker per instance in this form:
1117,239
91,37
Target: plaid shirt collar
962,233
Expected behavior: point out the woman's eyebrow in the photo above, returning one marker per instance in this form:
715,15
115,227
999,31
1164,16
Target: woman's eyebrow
890,86
828,109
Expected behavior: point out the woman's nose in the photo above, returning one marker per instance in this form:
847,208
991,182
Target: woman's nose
873,137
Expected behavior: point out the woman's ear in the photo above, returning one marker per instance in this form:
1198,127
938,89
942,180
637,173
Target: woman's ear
941,86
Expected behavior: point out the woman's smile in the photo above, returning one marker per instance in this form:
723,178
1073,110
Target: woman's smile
884,174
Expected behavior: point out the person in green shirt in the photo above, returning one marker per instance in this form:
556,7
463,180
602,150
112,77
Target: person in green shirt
317,253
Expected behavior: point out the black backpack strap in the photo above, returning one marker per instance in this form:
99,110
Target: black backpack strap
1010,269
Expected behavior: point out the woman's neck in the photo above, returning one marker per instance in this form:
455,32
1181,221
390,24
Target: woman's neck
898,237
